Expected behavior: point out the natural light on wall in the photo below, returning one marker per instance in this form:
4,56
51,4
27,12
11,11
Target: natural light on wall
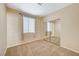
28,24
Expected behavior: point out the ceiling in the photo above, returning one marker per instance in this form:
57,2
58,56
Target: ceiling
37,9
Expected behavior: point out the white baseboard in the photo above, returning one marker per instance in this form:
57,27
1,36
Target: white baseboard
23,42
70,49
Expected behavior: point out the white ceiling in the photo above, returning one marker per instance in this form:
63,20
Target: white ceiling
35,9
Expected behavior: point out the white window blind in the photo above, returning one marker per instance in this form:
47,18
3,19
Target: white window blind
28,24
48,27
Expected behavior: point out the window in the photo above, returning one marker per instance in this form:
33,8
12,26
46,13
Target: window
48,26
28,24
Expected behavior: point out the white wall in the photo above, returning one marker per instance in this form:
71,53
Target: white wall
14,28
69,26
3,29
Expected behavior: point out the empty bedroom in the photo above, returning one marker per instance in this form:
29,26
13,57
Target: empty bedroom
39,29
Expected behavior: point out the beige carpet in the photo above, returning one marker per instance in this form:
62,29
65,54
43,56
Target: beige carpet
39,48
